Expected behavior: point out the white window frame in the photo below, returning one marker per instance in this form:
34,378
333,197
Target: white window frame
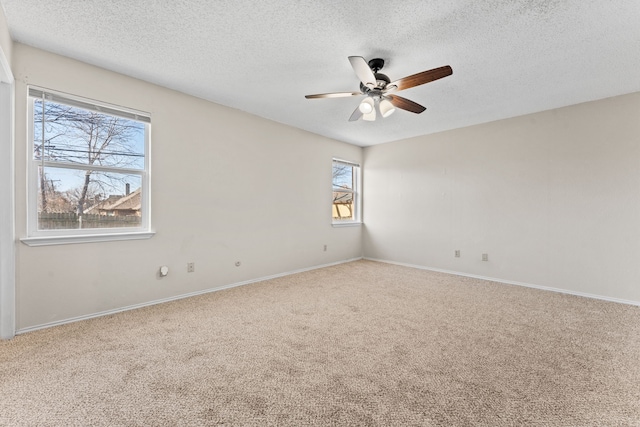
7,202
357,194
36,237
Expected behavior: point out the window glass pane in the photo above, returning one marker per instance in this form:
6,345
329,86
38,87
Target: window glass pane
342,176
74,198
343,206
69,134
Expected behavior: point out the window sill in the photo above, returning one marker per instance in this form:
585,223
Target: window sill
346,224
86,238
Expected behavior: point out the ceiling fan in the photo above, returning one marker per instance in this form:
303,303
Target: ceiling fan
379,89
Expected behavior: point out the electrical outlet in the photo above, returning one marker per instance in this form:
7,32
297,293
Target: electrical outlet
191,267
325,248
457,253
485,257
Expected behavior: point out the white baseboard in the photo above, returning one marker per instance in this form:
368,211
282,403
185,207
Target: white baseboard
177,297
511,282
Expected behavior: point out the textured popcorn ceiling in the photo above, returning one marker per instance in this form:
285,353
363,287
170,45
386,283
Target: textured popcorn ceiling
509,57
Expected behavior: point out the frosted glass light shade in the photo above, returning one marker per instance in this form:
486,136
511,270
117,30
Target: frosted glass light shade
366,106
370,117
386,108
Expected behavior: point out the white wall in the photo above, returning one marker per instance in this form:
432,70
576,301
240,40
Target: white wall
226,186
553,198
6,44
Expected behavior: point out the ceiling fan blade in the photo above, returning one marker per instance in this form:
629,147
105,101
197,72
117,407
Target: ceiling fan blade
363,71
356,114
333,95
419,79
405,104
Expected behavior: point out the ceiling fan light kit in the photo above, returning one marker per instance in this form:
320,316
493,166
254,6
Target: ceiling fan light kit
369,117
378,88
366,106
386,108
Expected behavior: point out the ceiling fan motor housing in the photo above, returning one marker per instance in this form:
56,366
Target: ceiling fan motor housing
381,82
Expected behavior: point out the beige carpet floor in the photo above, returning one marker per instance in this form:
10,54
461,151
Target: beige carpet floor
358,344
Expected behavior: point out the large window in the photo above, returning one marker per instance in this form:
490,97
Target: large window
346,192
89,167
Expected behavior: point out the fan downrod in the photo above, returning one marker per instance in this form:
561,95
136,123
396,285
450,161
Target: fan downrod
376,64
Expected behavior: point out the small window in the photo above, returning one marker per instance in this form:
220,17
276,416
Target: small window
89,167
346,192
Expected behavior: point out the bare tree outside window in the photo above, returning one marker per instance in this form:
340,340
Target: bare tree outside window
87,161
344,187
